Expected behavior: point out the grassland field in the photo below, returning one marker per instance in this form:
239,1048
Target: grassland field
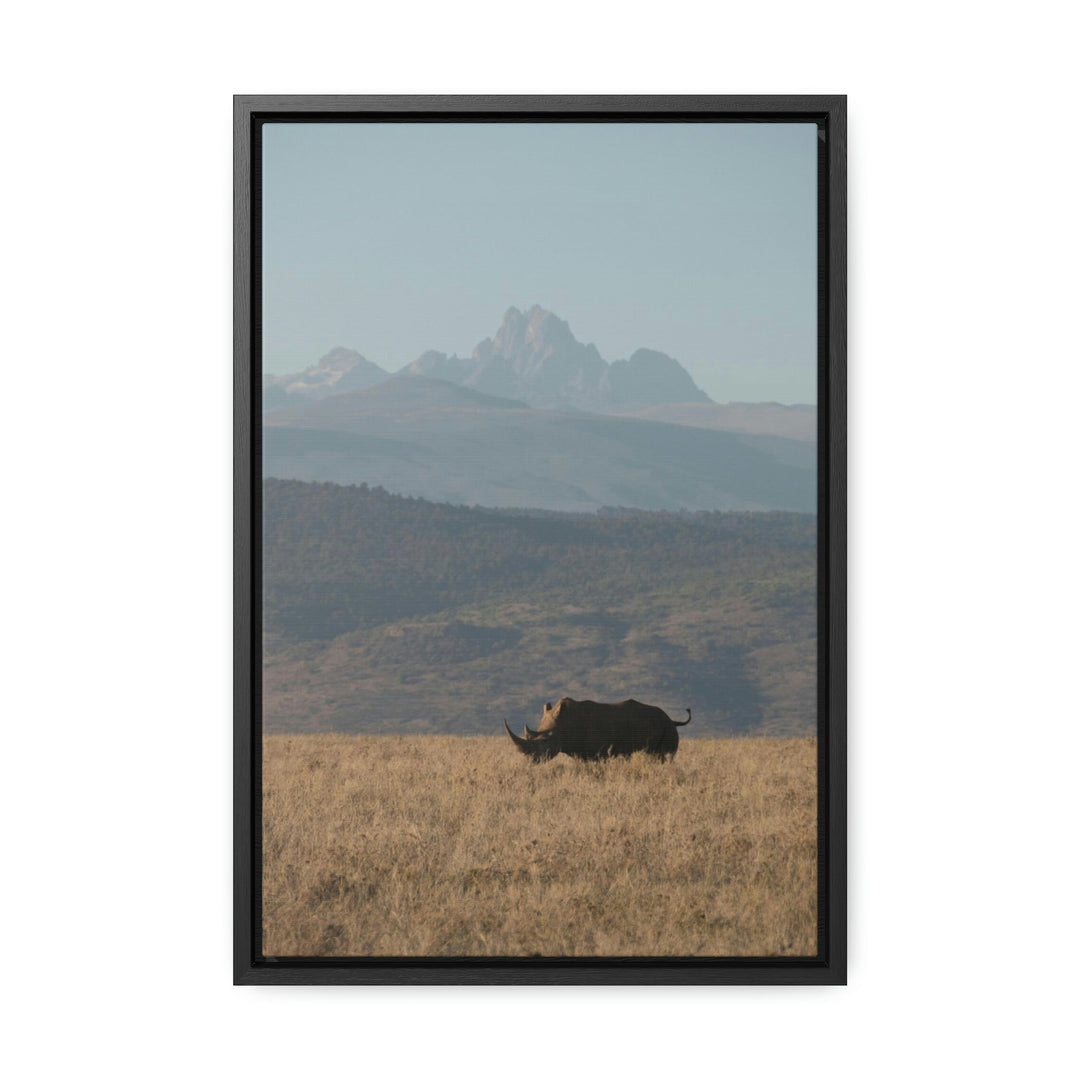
441,845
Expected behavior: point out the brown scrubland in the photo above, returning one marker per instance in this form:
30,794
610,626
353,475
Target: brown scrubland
430,845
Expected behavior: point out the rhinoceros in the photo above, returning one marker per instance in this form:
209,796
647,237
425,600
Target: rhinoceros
591,729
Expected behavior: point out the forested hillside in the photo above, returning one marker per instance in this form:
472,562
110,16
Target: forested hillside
385,613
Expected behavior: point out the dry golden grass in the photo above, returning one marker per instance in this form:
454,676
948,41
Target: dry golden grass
381,845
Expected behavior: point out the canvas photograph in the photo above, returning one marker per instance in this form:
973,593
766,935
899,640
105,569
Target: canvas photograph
538,649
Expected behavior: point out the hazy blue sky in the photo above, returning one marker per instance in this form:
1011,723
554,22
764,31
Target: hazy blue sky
695,239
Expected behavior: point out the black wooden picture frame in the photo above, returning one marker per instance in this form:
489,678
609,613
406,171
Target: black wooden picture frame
251,967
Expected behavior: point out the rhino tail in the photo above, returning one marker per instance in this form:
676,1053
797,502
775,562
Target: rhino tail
683,723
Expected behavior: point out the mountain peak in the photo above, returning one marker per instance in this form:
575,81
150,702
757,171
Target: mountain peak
533,357
545,326
340,359
523,338
339,371
652,378
537,315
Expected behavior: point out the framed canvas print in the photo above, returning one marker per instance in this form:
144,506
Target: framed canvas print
539,510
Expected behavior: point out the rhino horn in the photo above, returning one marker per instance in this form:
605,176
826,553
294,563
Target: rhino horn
519,742
540,748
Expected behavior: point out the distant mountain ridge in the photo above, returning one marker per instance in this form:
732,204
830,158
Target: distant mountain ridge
534,418
533,357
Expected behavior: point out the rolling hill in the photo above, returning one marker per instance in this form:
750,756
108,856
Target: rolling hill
798,422
446,442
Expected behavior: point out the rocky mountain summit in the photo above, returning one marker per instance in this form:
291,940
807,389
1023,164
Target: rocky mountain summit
338,372
534,418
534,357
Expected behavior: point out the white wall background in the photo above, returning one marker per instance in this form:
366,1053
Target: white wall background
116,450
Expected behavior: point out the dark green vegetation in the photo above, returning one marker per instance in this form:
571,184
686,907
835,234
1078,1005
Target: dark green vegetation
384,613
